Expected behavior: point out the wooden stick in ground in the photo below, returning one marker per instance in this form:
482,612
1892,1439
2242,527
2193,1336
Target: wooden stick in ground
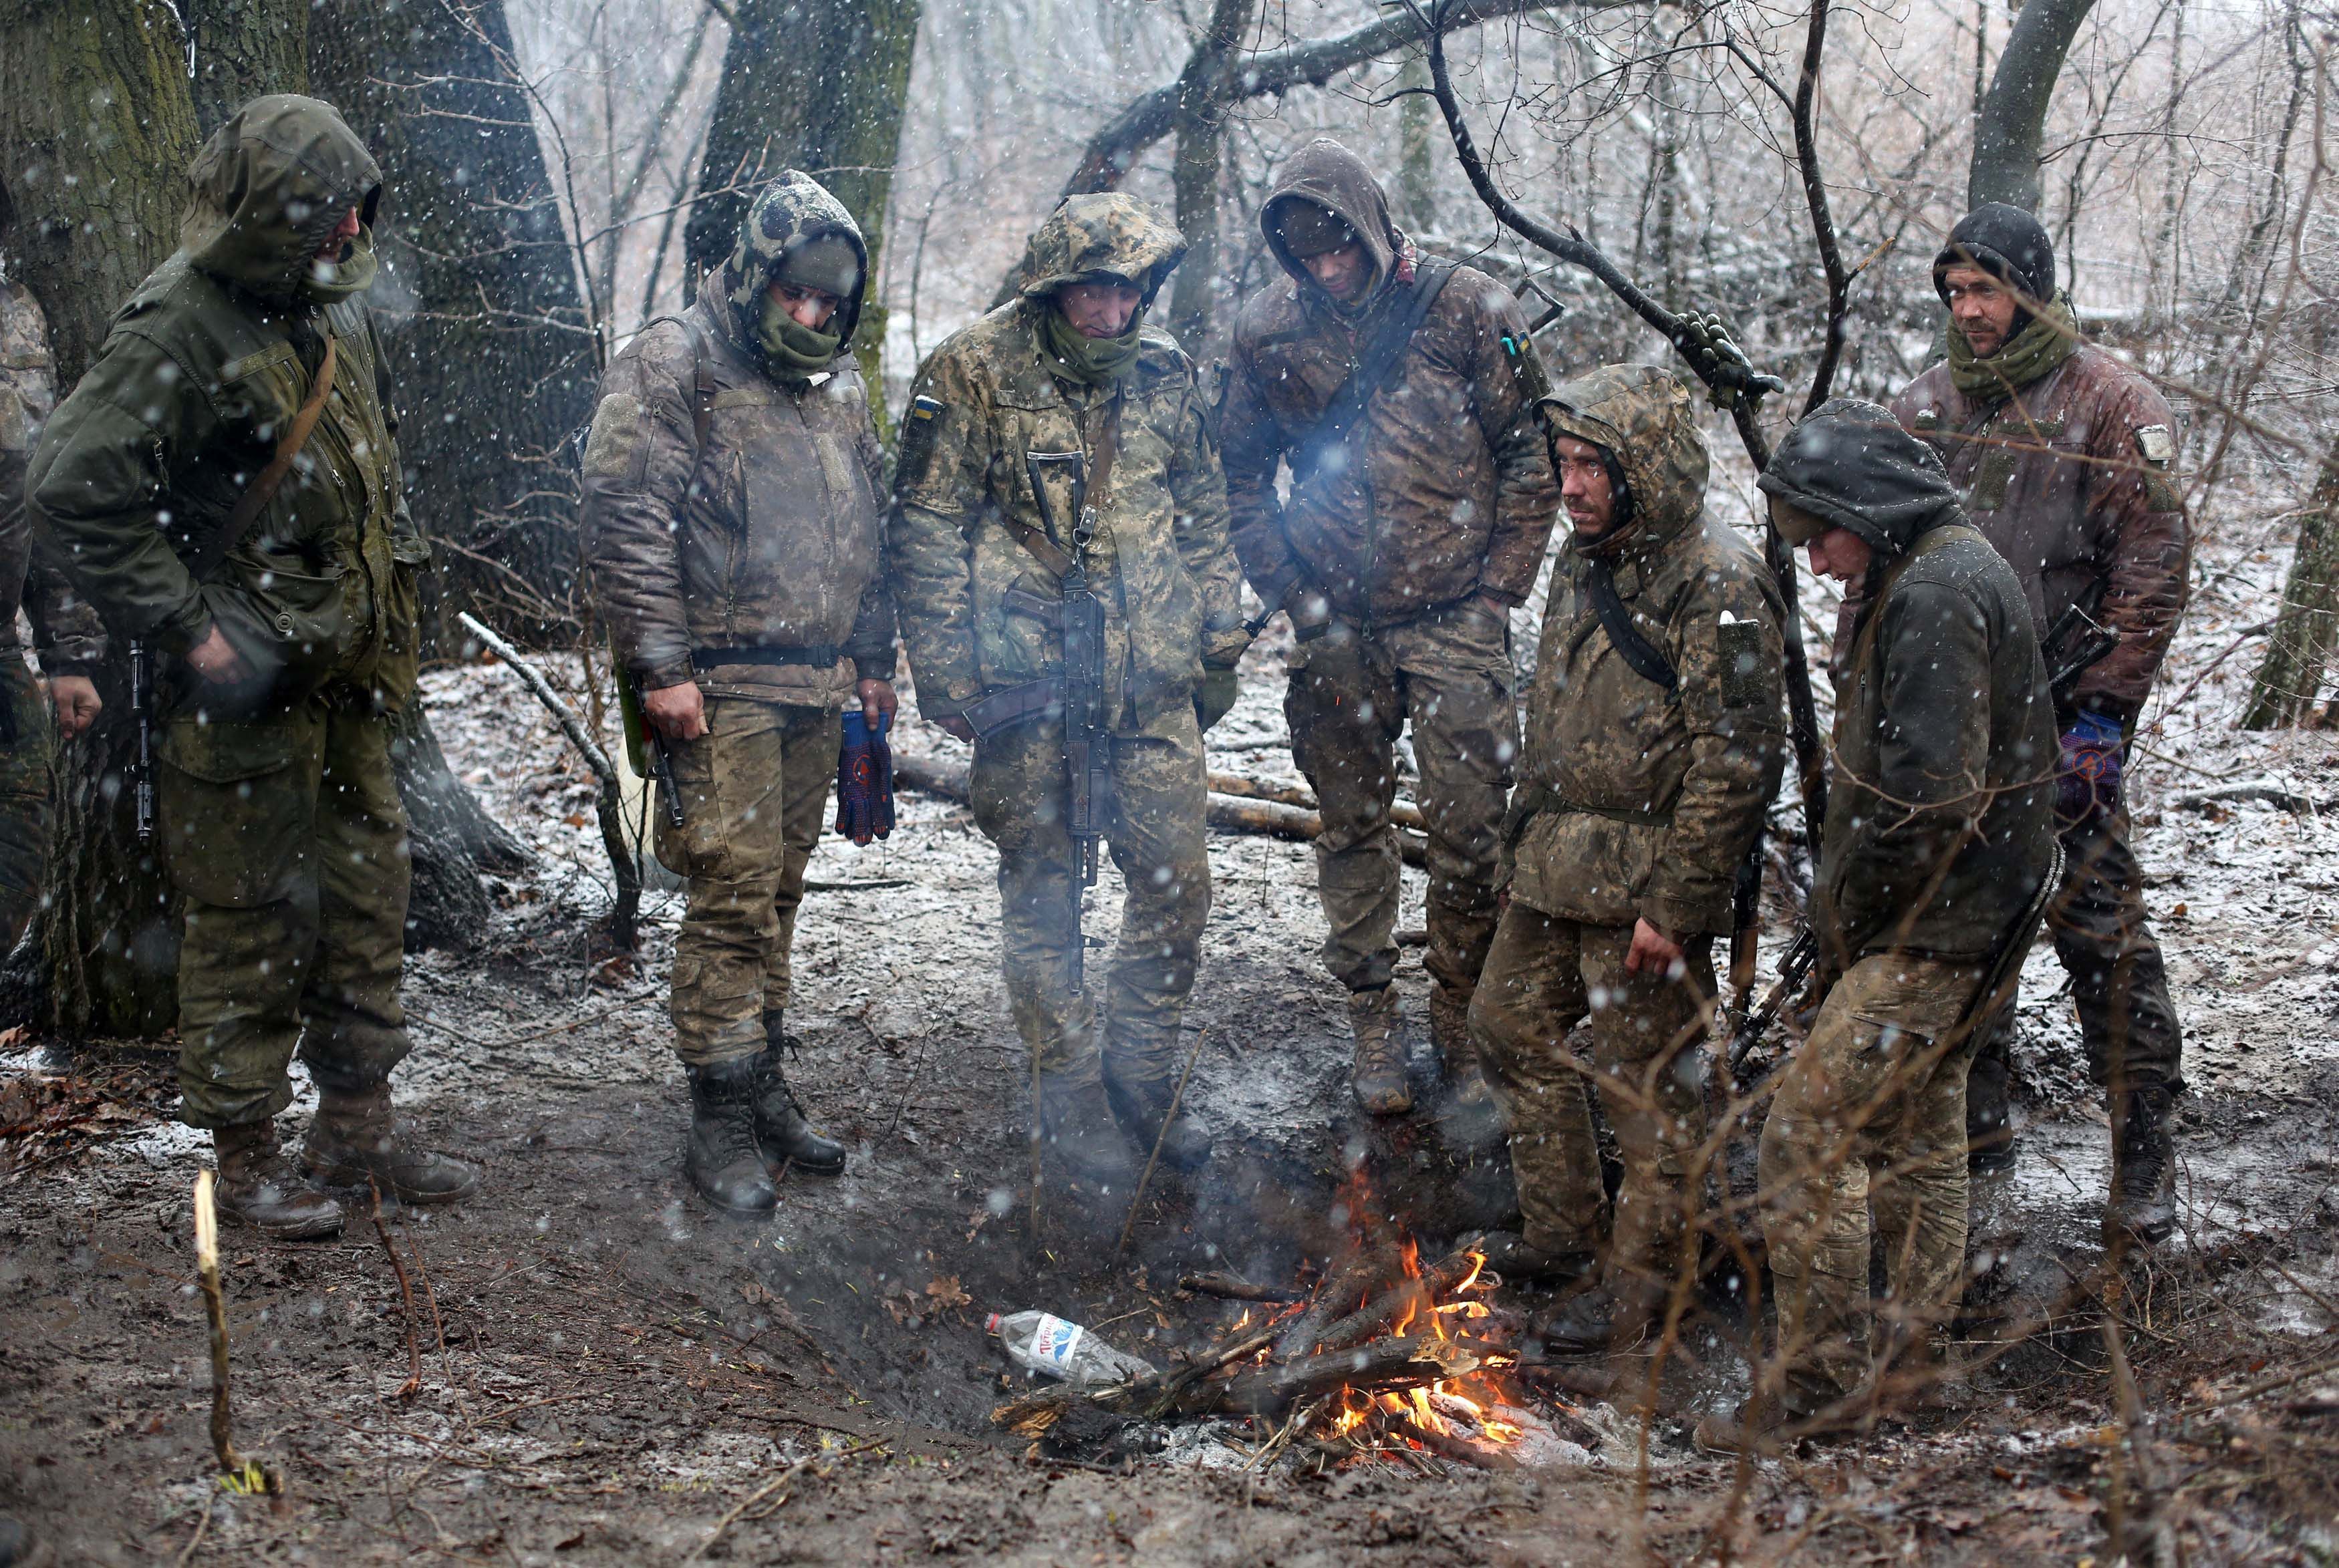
1358,1282
1230,1287
243,1474
1177,1098
413,1383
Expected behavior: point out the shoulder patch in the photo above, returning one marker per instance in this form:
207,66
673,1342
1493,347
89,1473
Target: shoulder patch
2157,443
617,433
919,428
1738,644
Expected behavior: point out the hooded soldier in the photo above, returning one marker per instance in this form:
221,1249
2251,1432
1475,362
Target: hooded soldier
1653,742
733,522
224,485
1938,838
1397,391
2064,456
1070,371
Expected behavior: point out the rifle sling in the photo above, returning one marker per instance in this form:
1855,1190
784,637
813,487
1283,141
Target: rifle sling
1346,409
270,480
1057,561
1647,662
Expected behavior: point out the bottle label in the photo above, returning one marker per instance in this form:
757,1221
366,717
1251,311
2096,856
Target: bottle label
1056,1342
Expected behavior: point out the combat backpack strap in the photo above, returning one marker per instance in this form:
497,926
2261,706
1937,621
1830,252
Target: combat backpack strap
1647,661
1346,410
270,480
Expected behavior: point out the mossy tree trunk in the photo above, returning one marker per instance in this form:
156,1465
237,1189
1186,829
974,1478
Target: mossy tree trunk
244,48
2306,630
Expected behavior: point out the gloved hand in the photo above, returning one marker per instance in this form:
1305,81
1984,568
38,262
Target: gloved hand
865,779
1717,360
2088,784
1311,613
1215,697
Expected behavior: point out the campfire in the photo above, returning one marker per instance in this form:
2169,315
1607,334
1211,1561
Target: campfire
1384,1360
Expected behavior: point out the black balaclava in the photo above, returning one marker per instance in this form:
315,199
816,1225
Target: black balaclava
2010,245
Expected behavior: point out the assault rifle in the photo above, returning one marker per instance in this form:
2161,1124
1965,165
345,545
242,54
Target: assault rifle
1088,730
142,761
1794,969
646,748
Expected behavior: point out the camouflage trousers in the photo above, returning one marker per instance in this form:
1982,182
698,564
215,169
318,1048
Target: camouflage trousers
1544,976
755,791
1158,839
287,838
1871,1114
2119,984
1450,674
26,751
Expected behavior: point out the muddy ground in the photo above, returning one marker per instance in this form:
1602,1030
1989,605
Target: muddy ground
598,1369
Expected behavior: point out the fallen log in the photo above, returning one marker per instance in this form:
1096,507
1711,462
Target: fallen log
1229,1288
1405,813
1229,814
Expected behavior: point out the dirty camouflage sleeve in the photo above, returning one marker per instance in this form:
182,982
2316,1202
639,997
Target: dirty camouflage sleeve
1197,487
638,463
1250,445
869,645
1527,493
66,632
941,491
2150,546
1932,767
101,481
1729,658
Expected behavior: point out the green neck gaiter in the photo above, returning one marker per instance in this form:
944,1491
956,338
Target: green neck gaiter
330,282
791,352
2025,357
1092,361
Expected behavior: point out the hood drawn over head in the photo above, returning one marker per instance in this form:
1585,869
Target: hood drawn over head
268,187
1104,232
792,209
1645,419
2005,242
1337,180
1850,465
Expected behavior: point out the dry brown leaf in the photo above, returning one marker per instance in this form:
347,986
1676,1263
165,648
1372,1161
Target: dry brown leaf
945,1292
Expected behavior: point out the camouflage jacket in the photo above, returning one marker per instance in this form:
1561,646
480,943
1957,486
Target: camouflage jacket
771,538
1635,803
65,631
1453,493
979,611
204,367
2068,478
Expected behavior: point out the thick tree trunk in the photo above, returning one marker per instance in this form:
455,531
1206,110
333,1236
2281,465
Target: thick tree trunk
2298,655
2013,119
244,48
1204,93
492,355
453,840
811,85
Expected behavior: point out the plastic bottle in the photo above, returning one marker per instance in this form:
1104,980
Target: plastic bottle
1055,1349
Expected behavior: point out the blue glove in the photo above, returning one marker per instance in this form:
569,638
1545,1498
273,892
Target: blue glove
2088,784
865,779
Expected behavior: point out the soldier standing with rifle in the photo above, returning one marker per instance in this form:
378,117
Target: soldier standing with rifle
1654,740
1396,389
223,486
1070,605
733,522
1932,873
2062,453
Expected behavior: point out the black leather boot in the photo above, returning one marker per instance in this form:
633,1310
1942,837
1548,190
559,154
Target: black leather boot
358,1135
724,1161
2143,1207
1078,1132
1139,1107
1989,1117
259,1186
1606,1318
788,1140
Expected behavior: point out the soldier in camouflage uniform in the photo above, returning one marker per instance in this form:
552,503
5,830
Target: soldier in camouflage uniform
1641,792
65,631
289,647
1400,556
1069,367
734,524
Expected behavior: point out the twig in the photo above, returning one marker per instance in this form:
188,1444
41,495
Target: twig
782,1479
187,1552
413,1383
562,714
1227,1287
244,1474
1177,1096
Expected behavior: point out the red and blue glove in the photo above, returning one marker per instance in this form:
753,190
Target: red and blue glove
2087,785
865,779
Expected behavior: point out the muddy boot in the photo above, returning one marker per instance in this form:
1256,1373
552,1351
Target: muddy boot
357,1136
1471,1118
1139,1107
1078,1135
1989,1118
722,1159
1746,1430
1518,1260
787,1139
2143,1207
260,1186
1604,1320
1379,1075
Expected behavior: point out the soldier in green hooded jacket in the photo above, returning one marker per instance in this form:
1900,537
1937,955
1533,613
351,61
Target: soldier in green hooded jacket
1069,367
283,648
